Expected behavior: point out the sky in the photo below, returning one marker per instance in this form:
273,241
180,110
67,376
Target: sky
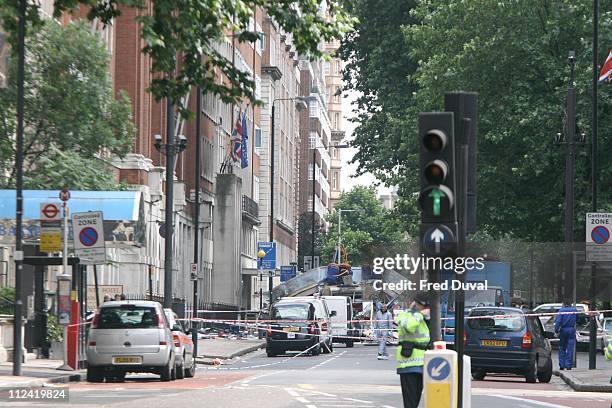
348,181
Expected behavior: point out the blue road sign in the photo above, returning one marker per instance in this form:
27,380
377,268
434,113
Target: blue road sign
268,262
288,272
438,368
438,240
600,234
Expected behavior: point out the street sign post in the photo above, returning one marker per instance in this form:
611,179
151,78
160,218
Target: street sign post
50,227
288,272
194,271
88,230
438,240
598,242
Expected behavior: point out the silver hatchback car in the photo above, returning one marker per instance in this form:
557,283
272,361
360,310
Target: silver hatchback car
130,336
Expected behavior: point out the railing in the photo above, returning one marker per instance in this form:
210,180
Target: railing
250,208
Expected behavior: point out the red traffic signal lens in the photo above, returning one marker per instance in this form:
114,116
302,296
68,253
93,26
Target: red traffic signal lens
435,140
436,172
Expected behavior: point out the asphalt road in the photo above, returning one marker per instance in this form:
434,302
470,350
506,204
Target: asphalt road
346,378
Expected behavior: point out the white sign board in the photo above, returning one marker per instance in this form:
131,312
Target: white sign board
598,242
88,230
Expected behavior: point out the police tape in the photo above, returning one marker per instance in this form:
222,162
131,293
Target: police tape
484,316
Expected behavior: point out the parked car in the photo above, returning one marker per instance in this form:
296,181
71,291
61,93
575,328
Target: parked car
301,323
582,331
505,340
183,347
554,308
342,326
130,336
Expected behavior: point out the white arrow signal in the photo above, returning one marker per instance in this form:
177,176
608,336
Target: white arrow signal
436,371
437,236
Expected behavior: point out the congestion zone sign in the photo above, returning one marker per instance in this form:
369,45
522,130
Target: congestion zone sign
597,239
88,236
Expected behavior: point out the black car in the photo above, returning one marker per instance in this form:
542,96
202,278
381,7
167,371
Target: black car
505,340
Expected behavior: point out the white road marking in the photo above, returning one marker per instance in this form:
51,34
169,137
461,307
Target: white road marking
292,393
327,361
302,400
311,406
358,400
539,403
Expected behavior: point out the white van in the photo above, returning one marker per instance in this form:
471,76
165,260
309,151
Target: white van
342,327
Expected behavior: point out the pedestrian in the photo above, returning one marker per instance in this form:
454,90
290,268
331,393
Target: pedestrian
413,340
565,329
122,297
382,327
107,298
117,297
608,354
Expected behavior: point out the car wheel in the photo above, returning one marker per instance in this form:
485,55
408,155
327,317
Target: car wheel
94,374
166,373
190,372
531,375
180,372
173,373
270,352
349,343
326,348
479,375
316,350
545,375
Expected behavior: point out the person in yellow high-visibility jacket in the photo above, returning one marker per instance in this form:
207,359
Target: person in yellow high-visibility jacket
414,340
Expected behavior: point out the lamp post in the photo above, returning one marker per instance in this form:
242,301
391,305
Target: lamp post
299,107
172,147
314,160
260,254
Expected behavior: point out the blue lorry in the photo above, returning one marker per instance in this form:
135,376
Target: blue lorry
497,275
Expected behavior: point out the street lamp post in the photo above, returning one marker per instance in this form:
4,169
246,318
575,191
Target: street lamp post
299,106
314,160
260,254
172,147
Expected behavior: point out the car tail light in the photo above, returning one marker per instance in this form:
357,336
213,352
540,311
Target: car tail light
163,343
177,341
160,321
527,340
464,338
92,343
96,321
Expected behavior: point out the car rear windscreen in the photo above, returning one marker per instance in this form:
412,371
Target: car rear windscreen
495,319
291,312
133,317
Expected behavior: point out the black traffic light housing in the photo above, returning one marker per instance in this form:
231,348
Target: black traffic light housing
437,197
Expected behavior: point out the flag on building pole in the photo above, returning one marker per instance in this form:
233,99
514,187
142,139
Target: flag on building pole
236,141
605,75
244,162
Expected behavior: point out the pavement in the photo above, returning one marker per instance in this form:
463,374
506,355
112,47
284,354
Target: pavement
36,373
217,350
582,379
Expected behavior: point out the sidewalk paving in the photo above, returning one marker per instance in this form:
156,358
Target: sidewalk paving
585,380
226,348
36,373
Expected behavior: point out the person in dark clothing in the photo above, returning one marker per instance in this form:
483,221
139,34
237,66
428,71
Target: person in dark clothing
565,328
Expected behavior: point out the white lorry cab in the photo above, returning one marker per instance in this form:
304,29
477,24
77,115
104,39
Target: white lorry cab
342,326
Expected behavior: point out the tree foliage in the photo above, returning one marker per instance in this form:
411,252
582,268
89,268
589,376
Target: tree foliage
514,54
71,113
365,229
191,29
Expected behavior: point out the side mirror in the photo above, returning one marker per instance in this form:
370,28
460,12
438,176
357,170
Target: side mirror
333,313
549,335
177,327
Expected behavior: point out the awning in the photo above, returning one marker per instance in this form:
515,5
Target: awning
115,205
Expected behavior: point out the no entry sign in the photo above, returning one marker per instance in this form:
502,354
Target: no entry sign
598,244
88,230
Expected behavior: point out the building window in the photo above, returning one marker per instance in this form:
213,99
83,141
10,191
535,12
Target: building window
336,121
335,181
312,140
256,189
326,68
257,86
260,44
258,141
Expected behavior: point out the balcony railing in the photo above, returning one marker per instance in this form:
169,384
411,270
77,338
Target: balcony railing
250,210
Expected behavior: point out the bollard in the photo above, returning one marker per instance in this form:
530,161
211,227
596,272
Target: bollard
440,377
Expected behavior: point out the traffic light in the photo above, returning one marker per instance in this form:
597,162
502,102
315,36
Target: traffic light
437,197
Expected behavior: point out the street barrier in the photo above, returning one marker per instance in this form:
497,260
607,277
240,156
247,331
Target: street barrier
440,378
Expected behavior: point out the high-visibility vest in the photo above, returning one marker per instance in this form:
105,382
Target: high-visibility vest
608,351
411,328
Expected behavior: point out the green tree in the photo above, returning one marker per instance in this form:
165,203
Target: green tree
366,230
191,29
71,114
514,54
